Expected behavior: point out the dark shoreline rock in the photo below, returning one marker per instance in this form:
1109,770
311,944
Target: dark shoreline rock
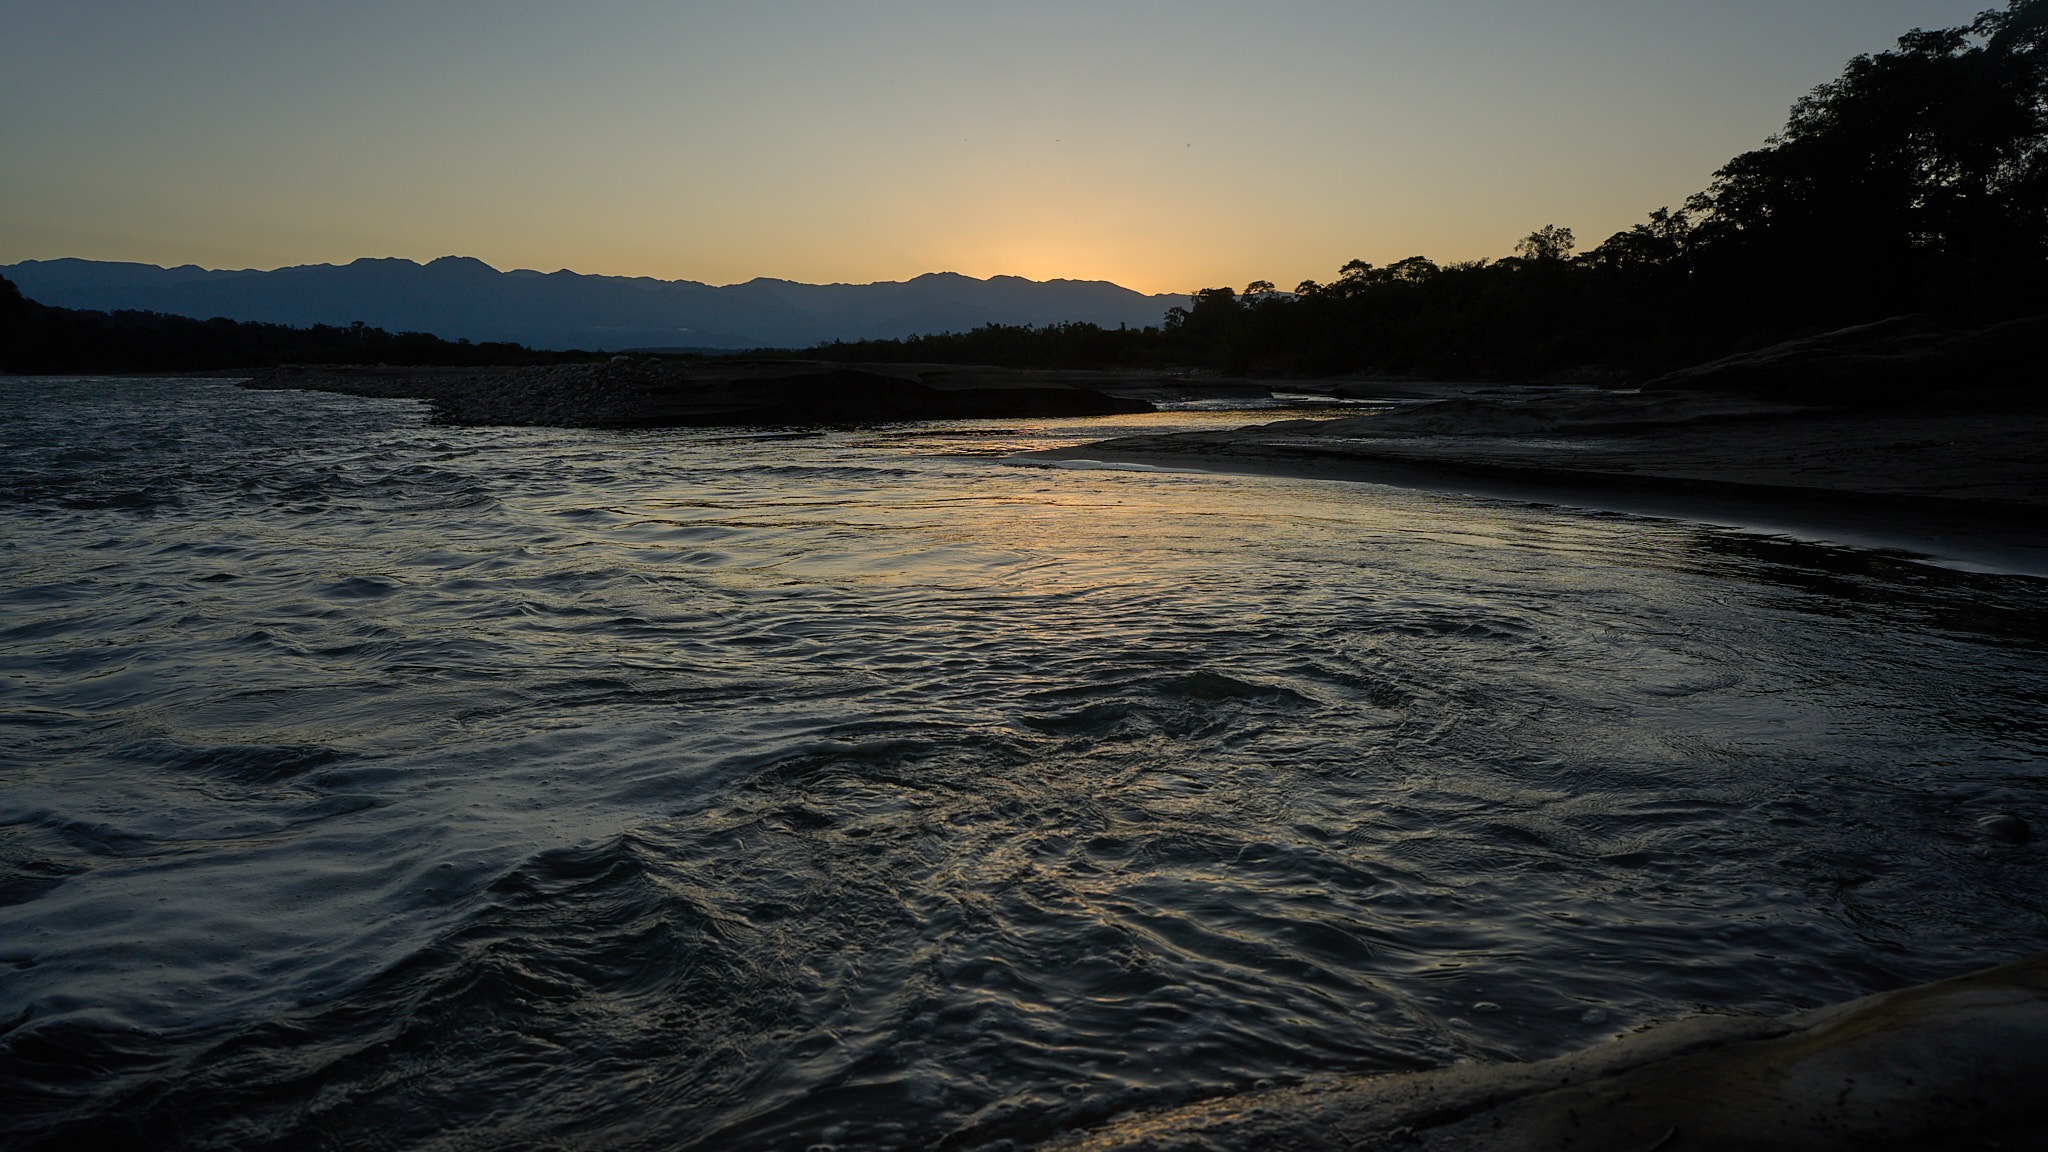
1955,1064
1909,359
1962,483
627,392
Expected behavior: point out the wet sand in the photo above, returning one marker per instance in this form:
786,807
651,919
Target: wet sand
1955,1064
1966,486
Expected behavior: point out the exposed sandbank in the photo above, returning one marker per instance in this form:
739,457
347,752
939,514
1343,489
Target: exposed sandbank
641,392
1970,486
1951,1065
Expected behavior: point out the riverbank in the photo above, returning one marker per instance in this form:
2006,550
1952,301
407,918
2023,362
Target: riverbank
1949,1065
647,392
1969,485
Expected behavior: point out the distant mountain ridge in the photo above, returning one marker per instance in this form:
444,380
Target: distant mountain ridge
460,297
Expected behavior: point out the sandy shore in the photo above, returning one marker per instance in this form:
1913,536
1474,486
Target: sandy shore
1951,1065
1969,486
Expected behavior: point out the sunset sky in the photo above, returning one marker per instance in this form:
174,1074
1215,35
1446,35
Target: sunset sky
1166,146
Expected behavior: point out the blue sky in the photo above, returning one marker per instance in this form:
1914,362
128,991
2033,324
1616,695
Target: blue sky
1166,146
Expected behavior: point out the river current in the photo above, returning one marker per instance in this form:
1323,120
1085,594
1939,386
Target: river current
371,784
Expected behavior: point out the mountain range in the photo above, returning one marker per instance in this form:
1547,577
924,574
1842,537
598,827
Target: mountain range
459,297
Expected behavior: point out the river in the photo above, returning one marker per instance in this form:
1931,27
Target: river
369,783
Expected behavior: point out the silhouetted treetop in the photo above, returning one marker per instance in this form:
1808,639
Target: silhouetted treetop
1549,242
1660,242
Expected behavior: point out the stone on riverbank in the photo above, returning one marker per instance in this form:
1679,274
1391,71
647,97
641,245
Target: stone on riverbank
1904,359
1951,1065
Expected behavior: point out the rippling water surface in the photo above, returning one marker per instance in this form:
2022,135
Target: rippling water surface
374,784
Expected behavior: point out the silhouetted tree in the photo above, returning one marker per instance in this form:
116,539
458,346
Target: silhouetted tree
1549,242
1662,242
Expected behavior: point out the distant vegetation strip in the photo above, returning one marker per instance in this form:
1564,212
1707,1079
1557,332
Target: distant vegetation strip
39,339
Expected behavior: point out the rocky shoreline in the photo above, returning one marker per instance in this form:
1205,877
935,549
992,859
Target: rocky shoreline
1951,1065
1900,434
645,392
1963,483
1904,358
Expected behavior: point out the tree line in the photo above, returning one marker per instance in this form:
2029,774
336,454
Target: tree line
1915,182
36,338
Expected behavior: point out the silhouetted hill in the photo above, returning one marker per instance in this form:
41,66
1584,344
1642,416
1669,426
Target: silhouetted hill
462,298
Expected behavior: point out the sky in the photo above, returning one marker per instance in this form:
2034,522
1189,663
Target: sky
1166,146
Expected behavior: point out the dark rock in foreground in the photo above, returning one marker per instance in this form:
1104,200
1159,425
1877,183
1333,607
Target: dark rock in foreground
1958,1064
1906,358
1960,481
647,393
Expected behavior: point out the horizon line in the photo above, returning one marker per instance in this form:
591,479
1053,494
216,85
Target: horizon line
595,275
